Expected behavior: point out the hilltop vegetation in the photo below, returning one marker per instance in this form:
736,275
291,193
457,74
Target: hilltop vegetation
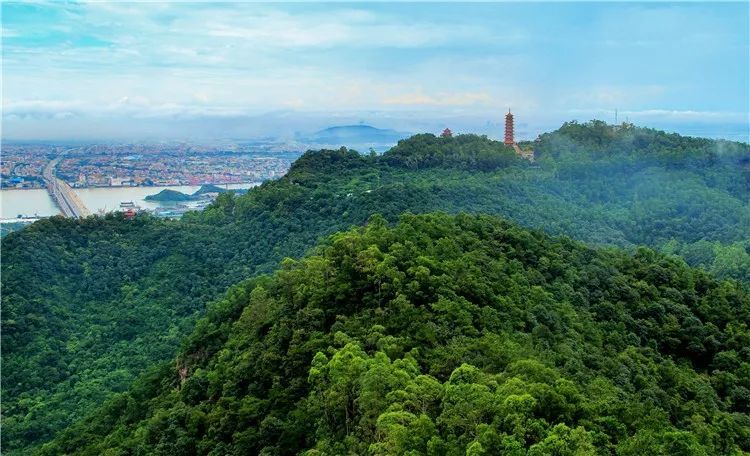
175,195
10,227
169,195
88,305
450,336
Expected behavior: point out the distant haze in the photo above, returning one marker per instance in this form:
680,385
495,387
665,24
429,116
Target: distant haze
134,71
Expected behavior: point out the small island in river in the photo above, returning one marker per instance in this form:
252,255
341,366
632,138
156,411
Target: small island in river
206,191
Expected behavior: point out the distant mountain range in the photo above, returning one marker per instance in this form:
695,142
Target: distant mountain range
356,136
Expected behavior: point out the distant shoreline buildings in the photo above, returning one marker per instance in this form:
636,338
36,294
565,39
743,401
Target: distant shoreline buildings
139,165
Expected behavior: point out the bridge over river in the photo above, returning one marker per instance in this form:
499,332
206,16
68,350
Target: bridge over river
62,193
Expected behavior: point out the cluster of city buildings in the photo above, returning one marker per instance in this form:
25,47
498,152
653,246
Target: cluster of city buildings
21,166
139,165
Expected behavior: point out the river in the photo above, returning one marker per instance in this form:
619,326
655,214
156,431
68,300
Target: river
38,202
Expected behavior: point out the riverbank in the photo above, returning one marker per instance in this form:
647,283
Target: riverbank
37,202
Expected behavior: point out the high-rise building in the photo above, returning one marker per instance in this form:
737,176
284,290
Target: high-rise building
509,129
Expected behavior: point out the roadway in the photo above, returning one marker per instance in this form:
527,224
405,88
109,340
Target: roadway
62,193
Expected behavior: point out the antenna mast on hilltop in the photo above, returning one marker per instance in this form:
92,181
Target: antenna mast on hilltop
615,116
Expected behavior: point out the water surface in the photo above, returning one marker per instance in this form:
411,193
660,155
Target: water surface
100,199
27,203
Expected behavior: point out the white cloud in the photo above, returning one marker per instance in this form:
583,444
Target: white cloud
646,115
440,99
614,95
165,60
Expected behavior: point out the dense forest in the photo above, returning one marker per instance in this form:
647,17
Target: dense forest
449,336
10,227
88,305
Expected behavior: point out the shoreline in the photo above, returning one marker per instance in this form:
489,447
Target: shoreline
31,202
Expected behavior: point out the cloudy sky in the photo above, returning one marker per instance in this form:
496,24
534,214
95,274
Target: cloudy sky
143,70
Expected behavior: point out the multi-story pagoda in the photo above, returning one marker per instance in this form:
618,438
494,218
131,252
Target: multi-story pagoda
527,153
509,129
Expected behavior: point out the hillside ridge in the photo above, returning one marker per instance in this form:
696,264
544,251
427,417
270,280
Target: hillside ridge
449,335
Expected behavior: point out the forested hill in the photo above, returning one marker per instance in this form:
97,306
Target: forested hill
449,336
89,304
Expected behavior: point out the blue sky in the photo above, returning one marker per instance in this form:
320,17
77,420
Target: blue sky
184,70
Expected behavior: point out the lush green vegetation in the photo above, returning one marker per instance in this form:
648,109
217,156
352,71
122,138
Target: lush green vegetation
10,227
450,336
88,305
169,195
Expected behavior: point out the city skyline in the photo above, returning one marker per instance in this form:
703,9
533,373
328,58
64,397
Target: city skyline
189,70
